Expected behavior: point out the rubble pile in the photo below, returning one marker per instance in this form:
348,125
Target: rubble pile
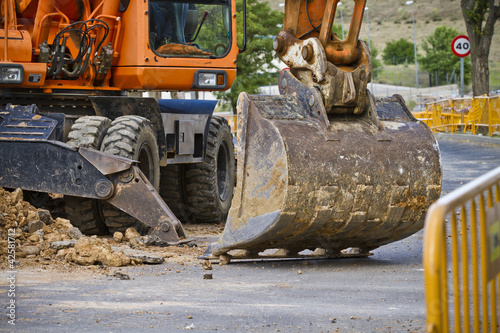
37,235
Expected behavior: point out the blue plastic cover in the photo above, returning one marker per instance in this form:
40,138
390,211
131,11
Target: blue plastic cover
189,106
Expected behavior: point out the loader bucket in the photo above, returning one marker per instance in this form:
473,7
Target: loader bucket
304,183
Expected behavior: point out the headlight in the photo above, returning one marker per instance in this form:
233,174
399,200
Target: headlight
11,74
207,79
210,79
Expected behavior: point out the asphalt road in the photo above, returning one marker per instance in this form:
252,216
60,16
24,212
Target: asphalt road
382,293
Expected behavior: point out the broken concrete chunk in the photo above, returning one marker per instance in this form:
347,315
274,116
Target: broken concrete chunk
61,223
33,216
143,256
74,233
153,241
148,241
24,251
133,244
61,254
16,196
34,226
91,251
207,265
35,238
131,234
224,259
44,216
118,237
65,244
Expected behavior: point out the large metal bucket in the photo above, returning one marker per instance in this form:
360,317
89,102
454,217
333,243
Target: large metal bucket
304,182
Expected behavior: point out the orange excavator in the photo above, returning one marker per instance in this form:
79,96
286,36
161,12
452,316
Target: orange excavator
68,126
323,167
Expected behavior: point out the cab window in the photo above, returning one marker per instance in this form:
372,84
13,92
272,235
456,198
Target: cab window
190,29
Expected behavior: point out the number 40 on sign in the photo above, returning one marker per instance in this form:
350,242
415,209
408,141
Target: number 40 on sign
461,46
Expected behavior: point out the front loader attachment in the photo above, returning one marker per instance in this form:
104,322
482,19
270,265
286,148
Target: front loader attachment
308,180
32,160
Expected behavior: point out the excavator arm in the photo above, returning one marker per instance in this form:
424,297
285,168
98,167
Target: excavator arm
342,68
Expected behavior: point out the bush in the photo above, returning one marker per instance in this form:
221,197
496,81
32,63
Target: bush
398,52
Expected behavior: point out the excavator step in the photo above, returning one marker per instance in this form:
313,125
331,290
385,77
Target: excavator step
25,123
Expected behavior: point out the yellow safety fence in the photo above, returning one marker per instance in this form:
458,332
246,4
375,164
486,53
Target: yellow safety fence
232,119
462,258
467,114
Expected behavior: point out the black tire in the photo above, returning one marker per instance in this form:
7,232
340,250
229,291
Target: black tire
37,199
86,214
173,191
210,185
131,137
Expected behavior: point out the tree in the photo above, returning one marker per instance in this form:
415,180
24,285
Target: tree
398,52
439,57
254,65
337,29
480,18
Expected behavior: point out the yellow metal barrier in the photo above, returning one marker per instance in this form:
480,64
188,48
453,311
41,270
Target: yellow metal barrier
470,113
478,107
462,250
494,115
461,108
424,116
442,116
231,118
443,110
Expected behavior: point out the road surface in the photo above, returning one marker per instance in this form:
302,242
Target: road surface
382,293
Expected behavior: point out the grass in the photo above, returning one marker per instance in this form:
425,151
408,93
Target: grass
404,75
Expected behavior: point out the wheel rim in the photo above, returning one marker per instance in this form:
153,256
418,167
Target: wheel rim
223,171
146,161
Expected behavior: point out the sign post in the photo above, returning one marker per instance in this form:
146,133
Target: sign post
461,47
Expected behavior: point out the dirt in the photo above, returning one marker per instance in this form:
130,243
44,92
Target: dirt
44,242
197,230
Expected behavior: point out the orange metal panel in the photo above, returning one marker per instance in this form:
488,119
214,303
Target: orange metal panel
298,23
30,68
160,78
19,45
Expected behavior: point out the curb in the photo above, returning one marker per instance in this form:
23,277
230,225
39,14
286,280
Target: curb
467,138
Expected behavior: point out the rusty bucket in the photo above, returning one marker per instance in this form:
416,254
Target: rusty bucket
307,181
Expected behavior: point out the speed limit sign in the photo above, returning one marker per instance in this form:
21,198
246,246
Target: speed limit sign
461,46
